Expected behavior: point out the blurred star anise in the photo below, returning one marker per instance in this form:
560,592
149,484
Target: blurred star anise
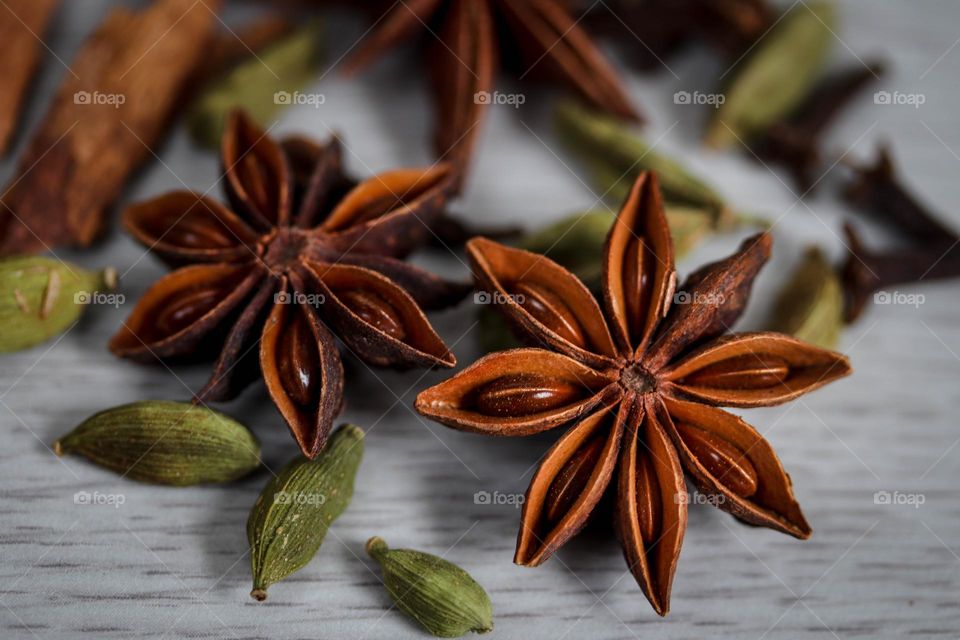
639,382
303,252
469,38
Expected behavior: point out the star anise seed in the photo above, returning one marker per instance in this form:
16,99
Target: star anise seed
302,255
637,384
468,39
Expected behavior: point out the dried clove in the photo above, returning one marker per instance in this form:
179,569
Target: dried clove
876,190
867,272
794,141
664,26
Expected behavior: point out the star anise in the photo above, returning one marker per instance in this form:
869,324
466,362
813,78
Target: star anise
639,382
467,40
303,252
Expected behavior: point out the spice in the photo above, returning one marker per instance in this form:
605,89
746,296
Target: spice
291,517
41,298
438,594
262,85
867,272
794,141
775,78
450,232
467,39
616,157
230,47
110,110
657,28
639,383
286,271
876,190
576,241
22,25
810,305
164,442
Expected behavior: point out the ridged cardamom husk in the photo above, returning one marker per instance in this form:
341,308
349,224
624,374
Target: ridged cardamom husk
41,297
173,443
435,592
615,156
776,77
262,85
294,511
810,306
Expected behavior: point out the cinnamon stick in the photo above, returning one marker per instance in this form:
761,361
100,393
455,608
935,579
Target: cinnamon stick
22,25
112,108
230,47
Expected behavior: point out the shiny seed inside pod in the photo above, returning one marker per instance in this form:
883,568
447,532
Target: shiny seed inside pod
751,371
550,309
649,501
572,480
637,283
185,310
522,394
374,310
299,361
195,233
722,459
252,178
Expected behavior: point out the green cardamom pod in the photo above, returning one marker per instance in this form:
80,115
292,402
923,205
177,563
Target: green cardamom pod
438,594
41,298
775,78
614,156
294,511
810,306
261,86
173,443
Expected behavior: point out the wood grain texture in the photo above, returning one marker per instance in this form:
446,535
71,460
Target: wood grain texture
172,563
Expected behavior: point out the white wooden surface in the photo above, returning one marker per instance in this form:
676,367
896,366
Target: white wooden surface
172,562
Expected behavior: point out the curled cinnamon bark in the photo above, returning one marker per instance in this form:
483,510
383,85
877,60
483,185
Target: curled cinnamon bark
22,24
113,106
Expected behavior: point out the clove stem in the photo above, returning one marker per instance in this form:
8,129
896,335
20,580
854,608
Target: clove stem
794,142
867,272
876,190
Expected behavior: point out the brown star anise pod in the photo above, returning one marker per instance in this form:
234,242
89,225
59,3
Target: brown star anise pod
302,253
468,39
639,383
